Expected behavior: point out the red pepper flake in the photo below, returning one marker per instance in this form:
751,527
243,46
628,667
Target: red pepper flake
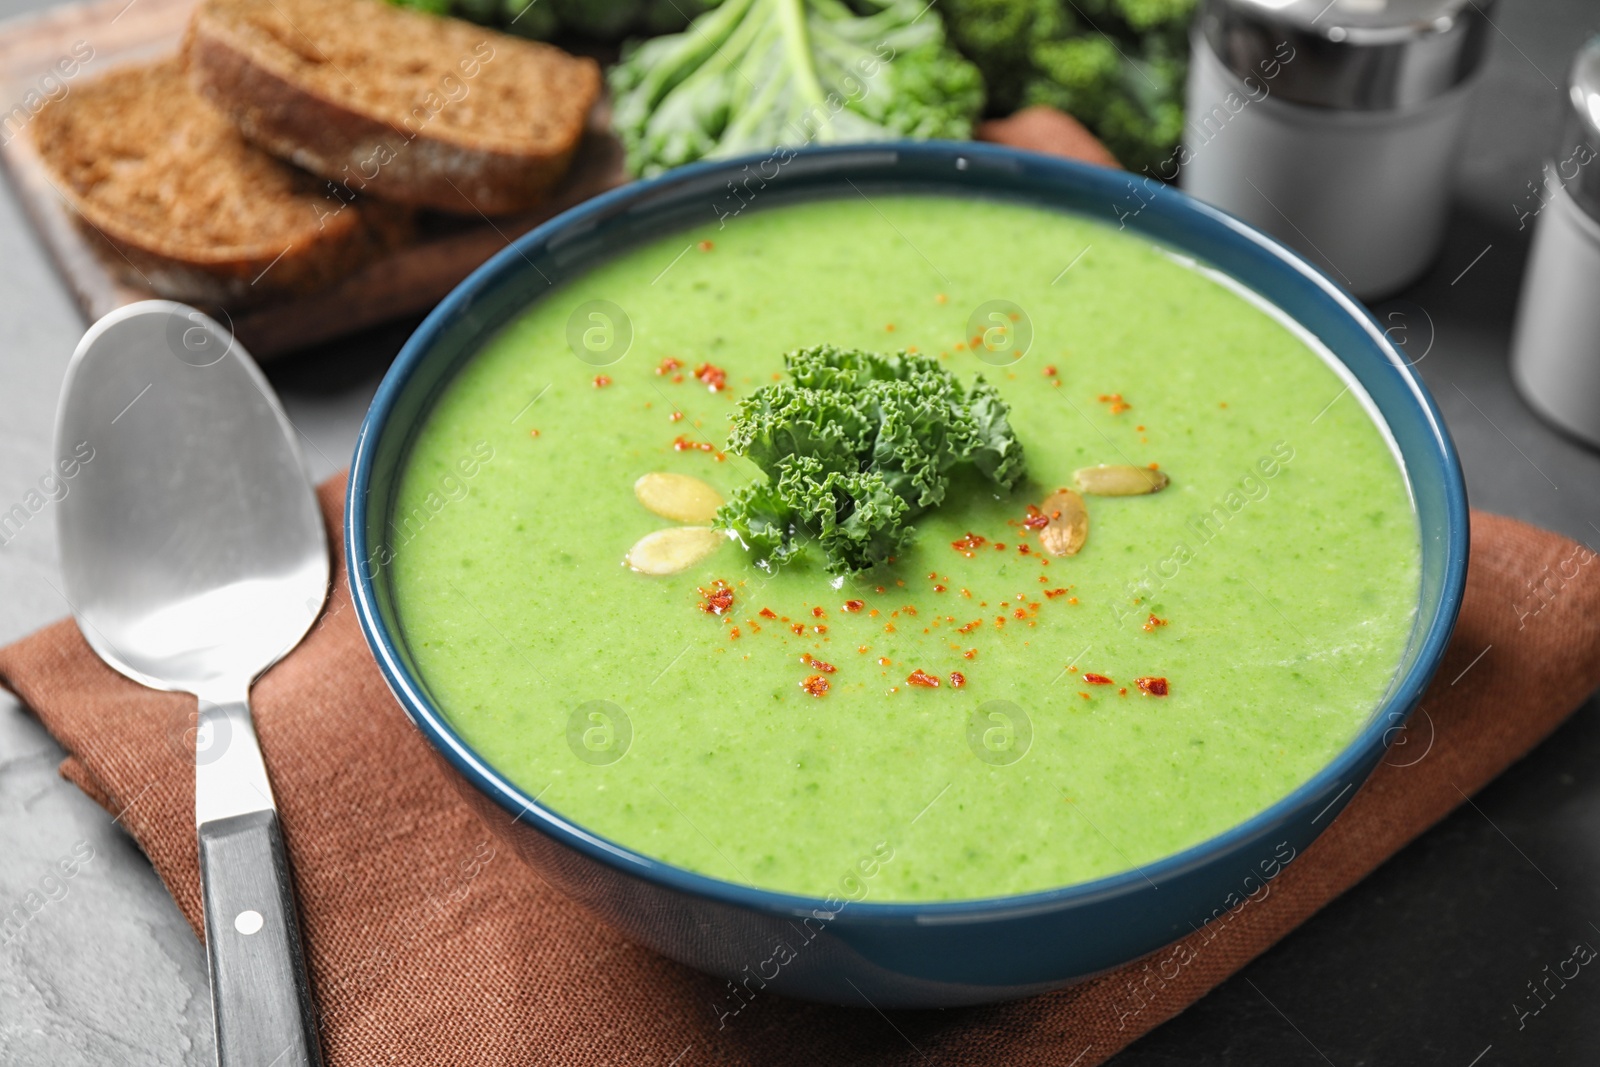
768,613
999,620
909,610
1098,679
601,381
879,588
533,433
816,685
816,664
718,599
1152,623
1024,549
888,628
1122,692
705,246
683,443
938,589
1156,687
668,365
854,605
957,679
818,612
799,629
884,661
1072,600
1020,613
1083,694
676,416
966,544
1050,370
969,627
1053,593
713,377
819,628
862,649
733,634
922,678
1117,405
999,546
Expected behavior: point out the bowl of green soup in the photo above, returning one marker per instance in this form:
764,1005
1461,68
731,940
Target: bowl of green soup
914,575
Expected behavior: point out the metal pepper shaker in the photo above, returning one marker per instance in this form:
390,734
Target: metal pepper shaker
1334,125
1555,350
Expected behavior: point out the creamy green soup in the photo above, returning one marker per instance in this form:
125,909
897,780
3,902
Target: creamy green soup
1271,586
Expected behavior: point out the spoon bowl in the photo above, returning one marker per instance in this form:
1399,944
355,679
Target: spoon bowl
191,544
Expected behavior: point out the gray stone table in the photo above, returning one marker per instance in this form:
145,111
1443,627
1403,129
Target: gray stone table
1420,964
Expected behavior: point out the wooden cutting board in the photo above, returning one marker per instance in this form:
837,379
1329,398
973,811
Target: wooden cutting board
35,50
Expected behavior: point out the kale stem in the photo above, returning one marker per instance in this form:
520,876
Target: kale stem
797,43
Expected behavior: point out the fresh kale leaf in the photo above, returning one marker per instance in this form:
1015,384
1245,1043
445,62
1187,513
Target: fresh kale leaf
600,20
853,445
752,75
1117,65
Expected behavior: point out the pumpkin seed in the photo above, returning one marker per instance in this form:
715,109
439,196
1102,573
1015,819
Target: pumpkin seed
1068,527
680,497
1120,479
674,549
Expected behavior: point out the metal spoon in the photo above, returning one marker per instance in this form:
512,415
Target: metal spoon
195,558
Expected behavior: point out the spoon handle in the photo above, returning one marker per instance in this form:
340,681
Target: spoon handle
260,996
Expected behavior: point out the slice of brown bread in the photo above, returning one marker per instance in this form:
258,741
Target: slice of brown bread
194,211
406,106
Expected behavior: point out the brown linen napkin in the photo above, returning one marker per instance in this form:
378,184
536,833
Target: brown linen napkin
429,944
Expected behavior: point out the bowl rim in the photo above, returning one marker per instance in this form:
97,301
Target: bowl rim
1404,692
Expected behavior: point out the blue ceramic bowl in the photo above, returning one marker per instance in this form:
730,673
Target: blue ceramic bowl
906,955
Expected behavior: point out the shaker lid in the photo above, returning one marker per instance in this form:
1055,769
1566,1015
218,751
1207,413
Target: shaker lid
1358,55
1576,164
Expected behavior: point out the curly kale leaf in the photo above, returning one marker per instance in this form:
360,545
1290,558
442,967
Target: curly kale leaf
998,453
752,75
855,444
1118,66
1133,93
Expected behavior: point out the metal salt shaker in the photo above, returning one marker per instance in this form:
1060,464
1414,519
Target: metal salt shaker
1555,351
1334,125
